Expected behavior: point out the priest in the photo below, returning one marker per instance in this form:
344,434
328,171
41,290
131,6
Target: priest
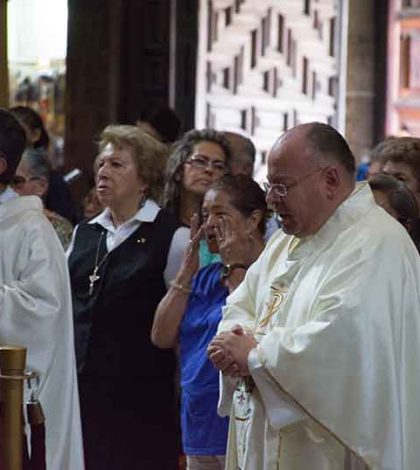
35,303
319,345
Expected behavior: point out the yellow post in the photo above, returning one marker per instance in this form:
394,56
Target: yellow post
4,70
12,363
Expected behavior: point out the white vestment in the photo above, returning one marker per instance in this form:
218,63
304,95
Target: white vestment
336,375
36,312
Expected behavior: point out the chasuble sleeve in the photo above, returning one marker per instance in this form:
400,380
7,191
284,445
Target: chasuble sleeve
35,312
30,293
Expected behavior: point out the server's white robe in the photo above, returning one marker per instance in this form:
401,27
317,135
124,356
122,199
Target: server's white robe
336,375
36,312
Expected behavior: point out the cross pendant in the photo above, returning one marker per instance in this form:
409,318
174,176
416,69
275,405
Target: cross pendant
92,279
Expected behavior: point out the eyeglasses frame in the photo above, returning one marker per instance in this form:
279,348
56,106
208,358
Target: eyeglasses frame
282,190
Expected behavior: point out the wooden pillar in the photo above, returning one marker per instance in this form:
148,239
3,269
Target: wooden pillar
92,81
366,74
141,55
4,71
360,76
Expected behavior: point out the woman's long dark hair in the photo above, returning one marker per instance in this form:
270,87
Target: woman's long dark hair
181,152
33,120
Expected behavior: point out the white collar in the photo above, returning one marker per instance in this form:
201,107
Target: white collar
7,195
348,212
147,213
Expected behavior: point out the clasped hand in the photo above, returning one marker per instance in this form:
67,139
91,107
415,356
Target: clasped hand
228,351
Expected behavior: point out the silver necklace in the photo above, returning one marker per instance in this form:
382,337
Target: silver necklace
94,276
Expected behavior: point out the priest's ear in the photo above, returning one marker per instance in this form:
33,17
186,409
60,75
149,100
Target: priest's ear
333,180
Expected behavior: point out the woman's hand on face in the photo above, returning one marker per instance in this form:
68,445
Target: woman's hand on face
191,261
234,244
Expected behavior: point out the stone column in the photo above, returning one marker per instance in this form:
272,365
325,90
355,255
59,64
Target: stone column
125,56
360,93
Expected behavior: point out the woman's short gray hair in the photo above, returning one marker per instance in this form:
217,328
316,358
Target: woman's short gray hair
148,154
37,162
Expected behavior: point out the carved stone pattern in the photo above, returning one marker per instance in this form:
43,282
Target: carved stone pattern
267,65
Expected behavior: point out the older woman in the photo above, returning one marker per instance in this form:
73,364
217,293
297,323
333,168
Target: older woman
32,179
120,264
234,211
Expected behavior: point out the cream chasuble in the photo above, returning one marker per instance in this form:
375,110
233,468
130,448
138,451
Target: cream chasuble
335,380
35,311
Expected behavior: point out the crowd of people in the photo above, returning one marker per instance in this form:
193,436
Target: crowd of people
197,313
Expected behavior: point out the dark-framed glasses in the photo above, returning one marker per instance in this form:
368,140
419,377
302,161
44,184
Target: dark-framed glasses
282,189
202,162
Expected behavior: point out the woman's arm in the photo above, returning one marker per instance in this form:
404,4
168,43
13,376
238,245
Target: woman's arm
172,307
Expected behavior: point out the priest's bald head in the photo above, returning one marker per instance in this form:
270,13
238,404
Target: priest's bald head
12,145
311,171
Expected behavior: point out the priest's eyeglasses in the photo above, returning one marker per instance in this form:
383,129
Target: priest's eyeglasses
202,162
281,189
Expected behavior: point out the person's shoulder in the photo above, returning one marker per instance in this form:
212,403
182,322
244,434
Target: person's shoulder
25,213
380,227
58,220
210,270
209,277
168,217
375,239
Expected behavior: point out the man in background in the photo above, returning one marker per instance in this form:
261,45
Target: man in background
243,154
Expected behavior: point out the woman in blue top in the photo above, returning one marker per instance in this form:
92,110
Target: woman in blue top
233,212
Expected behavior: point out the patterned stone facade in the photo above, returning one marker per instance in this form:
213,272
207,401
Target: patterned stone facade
267,65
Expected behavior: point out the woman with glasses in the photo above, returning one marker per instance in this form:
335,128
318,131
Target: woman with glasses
234,213
199,159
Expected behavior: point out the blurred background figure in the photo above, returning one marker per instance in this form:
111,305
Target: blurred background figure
190,312
401,158
162,123
394,197
120,264
58,198
32,179
31,121
91,204
243,154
